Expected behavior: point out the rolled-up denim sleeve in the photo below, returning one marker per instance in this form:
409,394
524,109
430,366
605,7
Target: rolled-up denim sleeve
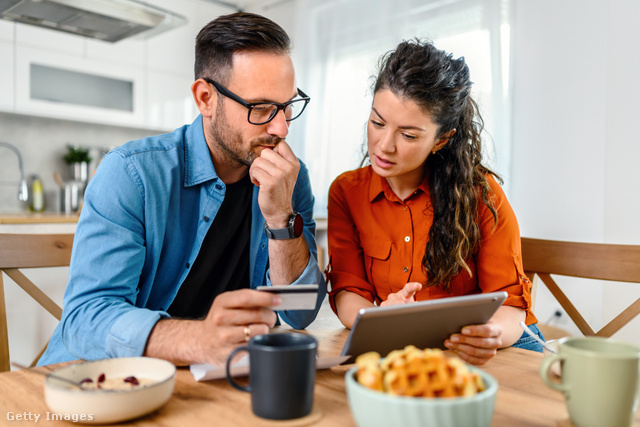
125,341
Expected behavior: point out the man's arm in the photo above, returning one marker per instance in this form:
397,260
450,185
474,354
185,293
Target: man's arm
106,264
284,186
276,173
233,317
287,259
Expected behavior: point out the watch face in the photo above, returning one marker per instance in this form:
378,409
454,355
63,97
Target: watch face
298,225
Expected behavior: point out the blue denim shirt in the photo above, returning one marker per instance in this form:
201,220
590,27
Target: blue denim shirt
146,213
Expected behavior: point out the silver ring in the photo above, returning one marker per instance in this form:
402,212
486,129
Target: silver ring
247,333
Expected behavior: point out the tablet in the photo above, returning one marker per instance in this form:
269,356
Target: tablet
425,324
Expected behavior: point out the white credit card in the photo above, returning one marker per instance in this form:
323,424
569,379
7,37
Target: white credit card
294,297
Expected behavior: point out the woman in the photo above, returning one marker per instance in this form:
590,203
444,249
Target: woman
427,219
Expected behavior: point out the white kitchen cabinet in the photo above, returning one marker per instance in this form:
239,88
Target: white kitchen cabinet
6,30
174,51
26,103
49,40
6,76
159,70
170,62
169,101
127,52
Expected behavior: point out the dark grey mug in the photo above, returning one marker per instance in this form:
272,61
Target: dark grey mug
282,373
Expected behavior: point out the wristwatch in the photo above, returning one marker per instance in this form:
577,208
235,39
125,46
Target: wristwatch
292,231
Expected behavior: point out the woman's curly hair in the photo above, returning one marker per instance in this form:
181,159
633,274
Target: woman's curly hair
441,86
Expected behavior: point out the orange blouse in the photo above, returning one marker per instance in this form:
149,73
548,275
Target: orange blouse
377,241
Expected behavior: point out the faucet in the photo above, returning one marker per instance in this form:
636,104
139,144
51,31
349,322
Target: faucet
23,190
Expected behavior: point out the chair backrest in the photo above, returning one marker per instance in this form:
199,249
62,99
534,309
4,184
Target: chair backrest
22,251
619,263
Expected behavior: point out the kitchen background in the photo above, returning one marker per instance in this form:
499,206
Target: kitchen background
43,143
556,80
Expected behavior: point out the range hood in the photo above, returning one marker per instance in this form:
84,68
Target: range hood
107,20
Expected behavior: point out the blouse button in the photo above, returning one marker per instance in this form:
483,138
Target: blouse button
407,238
406,269
205,218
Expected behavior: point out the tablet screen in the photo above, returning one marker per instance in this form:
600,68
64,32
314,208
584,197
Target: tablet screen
425,324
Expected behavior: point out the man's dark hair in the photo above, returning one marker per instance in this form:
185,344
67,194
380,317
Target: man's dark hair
239,32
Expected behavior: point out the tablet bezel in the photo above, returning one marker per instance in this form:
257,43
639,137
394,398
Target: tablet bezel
388,328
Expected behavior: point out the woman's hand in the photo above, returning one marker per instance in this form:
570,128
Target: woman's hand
403,296
476,344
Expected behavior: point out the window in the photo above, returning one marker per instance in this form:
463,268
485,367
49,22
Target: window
344,41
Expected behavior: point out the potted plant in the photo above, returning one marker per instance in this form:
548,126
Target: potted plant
78,160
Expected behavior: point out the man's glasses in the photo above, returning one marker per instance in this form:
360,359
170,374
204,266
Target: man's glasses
263,112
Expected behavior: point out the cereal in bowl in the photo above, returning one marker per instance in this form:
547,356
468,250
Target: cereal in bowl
118,383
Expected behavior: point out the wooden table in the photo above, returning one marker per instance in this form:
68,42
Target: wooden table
522,400
38,218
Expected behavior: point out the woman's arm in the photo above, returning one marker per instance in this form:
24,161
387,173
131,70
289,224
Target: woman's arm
509,318
498,268
346,272
347,306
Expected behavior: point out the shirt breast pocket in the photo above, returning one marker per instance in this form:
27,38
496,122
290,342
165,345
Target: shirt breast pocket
377,263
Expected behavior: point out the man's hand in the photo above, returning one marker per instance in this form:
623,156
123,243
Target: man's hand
233,318
229,315
275,172
404,295
476,344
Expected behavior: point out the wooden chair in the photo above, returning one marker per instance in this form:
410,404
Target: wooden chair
619,263
23,251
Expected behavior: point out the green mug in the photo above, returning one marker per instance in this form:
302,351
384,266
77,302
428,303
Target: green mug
599,380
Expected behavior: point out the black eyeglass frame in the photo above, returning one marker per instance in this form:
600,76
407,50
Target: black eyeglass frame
249,105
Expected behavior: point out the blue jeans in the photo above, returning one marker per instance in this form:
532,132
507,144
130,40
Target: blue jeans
527,342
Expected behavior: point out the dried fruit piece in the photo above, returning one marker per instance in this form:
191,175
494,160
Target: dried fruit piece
132,380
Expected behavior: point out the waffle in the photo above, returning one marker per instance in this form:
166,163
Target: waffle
418,373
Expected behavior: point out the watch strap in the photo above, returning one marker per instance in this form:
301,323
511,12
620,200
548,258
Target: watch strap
277,233
288,232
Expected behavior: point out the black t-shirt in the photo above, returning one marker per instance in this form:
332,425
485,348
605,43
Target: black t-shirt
223,261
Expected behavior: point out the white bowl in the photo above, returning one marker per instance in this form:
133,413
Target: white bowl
372,408
110,406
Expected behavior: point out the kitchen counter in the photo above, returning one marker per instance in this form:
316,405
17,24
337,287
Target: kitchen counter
38,218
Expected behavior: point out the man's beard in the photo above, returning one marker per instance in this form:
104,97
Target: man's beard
230,142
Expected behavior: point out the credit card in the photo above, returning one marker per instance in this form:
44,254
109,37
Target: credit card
294,297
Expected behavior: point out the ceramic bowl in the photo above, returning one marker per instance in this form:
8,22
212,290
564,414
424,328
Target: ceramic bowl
372,408
102,406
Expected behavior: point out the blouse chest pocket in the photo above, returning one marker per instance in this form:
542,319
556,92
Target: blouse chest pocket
376,260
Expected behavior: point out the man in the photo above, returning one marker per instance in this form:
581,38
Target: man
173,233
